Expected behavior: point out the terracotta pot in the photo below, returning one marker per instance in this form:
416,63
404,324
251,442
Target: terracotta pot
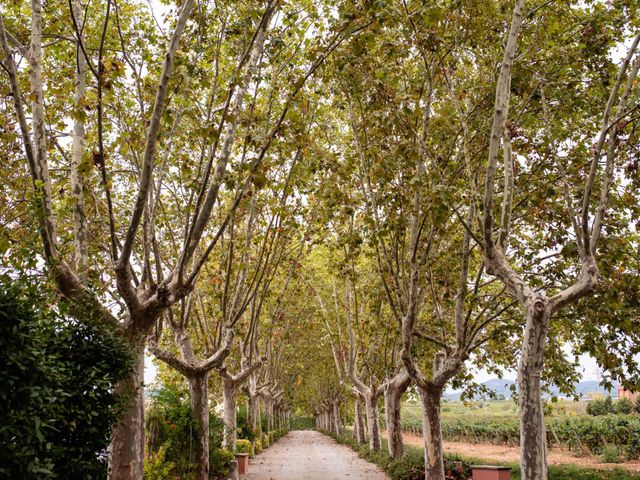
243,463
490,472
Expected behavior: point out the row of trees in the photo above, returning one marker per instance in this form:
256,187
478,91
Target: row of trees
425,272
301,198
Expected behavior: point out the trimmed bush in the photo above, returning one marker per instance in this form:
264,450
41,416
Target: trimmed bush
244,446
219,462
257,446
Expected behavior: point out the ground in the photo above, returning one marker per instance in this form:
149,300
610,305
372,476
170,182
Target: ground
504,453
310,455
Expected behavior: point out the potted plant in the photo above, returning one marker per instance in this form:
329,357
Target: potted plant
243,450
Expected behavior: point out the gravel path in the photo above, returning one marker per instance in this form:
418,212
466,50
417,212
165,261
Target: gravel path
310,455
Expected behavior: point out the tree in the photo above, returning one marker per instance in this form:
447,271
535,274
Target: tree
587,229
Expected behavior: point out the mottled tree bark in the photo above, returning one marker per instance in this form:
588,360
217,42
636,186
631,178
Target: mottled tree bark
337,427
373,424
229,409
198,391
393,392
127,444
359,420
432,433
533,438
253,412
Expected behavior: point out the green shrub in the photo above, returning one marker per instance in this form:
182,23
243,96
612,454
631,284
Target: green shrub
610,454
600,407
265,440
302,423
623,406
244,428
244,446
170,423
58,376
219,462
637,407
156,467
410,466
257,446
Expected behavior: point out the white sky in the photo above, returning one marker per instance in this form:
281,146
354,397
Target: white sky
590,371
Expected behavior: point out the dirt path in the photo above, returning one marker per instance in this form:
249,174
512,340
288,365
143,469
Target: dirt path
503,453
309,455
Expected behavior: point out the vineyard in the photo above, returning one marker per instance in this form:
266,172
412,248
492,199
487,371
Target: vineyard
614,435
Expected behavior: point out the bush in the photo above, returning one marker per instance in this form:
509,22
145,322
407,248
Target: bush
156,467
302,423
265,440
59,374
410,466
637,407
219,462
244,429
610,454
623,406
257,446
171,426
244,446
600,407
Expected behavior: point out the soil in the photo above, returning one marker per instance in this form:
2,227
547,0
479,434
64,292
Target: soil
310,455
504,453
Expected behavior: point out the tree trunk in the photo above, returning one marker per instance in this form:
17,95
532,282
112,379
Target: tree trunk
77,153
229,409
200,412
392,401
533,438
371,404
253,412
359,420
354,432
268,407
432,433
336,417
127,444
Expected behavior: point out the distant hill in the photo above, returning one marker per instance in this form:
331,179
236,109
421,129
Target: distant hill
502,387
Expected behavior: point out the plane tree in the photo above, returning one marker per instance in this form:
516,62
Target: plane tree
164,111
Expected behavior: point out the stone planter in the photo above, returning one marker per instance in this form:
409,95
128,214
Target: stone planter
490,472
243,463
